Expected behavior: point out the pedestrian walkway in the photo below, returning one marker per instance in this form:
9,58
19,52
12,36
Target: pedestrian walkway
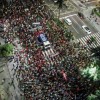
83,40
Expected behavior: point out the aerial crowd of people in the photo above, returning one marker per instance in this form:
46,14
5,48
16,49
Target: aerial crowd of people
38,78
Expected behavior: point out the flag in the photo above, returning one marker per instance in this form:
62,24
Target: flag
64,75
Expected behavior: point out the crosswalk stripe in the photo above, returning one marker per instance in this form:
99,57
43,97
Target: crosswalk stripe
83,40
76,41
96,35
50,59
43,53
52,51
46,53
87,38
97,39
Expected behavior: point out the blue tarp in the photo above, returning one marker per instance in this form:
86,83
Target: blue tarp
42,38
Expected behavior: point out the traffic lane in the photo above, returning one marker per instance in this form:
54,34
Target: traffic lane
77,27
78,20
90,25
85,22
74,32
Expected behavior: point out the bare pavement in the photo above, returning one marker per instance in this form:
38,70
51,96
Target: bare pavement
8,82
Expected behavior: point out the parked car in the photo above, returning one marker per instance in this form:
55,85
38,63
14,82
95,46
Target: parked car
68,21
80,15
86,29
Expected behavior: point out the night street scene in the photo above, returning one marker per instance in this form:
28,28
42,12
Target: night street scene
49,49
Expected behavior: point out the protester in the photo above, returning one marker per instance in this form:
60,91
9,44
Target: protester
38,77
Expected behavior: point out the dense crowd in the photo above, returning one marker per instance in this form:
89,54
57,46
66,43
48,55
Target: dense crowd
38,78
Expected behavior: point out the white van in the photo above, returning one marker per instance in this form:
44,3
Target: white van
68,21
47,45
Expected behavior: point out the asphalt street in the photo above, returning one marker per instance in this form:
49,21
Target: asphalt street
84,5
77,24
90,3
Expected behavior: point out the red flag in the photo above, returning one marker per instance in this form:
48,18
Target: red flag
64,75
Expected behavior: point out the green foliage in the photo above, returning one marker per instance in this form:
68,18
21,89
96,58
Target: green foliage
96,12
60,3
48,25
96,52
6,50
93,39
59,23
91,97
92,71
68,35
95,96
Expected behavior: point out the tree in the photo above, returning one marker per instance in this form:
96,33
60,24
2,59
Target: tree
60,3
95,96
96,52
93,39
6,50
92,71
91,97
68,35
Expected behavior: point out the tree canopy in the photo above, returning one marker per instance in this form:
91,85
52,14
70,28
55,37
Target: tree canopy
92,71
96,52
60,3
6,50
95,96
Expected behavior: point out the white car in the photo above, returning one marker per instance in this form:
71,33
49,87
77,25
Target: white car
55,1
86,29
47,45
68,21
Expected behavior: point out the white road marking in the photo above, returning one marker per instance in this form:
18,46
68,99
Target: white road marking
75,22
47,54
90,2
81,20
75,29
55,9
43,53
51,51
67,16
83,40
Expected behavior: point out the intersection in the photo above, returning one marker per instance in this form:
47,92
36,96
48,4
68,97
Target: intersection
22,67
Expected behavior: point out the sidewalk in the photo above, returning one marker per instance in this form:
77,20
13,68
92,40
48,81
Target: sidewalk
87,14
79,5
67,8
7,73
